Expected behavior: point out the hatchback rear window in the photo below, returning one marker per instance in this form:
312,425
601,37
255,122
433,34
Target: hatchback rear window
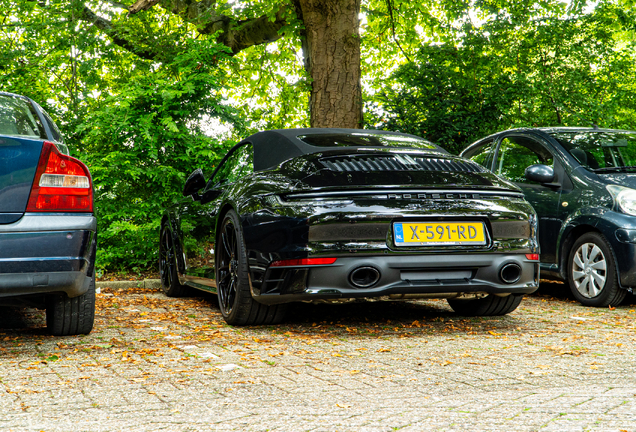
19,118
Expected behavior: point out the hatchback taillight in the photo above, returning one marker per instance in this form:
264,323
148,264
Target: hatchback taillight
62,183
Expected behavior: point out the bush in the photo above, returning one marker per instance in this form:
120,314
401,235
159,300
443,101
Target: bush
141,146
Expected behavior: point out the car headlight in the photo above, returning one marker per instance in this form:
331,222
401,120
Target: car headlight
625,198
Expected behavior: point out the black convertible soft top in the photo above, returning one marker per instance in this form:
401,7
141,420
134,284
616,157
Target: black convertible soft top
273,147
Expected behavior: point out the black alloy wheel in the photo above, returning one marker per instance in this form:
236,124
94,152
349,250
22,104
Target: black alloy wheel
233,284
592,272
170,284
491,305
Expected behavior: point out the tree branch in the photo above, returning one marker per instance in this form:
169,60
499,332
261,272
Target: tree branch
233,34
118,39
389,6
255,31
140,5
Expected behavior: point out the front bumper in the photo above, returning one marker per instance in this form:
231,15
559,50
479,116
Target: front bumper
624,245
399,275
620,231
47,253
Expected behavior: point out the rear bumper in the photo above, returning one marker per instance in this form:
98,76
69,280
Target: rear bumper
434,275
47,253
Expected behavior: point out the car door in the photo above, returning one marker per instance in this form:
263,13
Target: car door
513,155
200,241
483,154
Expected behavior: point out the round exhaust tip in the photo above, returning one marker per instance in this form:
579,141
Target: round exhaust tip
510,273
364,277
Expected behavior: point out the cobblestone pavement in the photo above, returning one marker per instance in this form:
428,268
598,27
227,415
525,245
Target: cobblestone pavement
154,363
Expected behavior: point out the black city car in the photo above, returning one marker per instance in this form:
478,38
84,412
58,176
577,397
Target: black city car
47,226
339,214
582,183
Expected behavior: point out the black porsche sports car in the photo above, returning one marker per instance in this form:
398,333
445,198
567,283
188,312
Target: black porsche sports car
338,214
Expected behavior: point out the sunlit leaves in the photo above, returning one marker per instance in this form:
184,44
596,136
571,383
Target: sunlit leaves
449,70
141,145
519,64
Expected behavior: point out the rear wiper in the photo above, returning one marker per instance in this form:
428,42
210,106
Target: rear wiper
615,169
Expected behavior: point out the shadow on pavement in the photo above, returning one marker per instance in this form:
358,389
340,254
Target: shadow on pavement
354,312
369,311
558,290
16,318
561,291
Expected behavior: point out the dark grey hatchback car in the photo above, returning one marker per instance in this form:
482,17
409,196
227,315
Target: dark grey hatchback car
47,226
582,184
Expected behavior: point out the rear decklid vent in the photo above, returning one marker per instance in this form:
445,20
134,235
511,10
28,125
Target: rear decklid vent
398,162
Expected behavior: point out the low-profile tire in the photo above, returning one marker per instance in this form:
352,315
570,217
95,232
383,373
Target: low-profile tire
592,272
491,305
71,316
233,285
170,284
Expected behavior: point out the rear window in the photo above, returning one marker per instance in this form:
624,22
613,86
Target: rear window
367,140
18,118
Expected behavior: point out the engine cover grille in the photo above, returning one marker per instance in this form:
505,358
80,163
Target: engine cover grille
398,162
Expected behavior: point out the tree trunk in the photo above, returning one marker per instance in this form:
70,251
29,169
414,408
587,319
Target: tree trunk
332,58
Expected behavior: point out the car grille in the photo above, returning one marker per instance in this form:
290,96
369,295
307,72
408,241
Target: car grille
398,163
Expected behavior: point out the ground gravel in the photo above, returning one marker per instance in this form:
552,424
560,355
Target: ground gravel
157,363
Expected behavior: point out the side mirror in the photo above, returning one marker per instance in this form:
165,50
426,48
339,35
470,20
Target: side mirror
194,183
540,173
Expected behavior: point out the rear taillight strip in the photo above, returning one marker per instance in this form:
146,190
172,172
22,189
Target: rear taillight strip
303,262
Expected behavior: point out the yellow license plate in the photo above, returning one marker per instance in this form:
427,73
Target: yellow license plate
439,233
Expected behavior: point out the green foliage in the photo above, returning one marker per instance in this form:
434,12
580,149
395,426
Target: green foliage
270,87
524,65
141,126
141,146
449,95
450,71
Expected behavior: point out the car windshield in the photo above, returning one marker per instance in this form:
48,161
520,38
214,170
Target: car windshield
18,118
367,140
601,151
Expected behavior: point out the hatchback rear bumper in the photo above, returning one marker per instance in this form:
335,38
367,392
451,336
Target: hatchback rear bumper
47,253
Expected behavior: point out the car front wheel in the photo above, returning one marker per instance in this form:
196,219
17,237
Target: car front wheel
233,286
592,272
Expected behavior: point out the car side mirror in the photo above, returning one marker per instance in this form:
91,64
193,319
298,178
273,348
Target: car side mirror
194,183
540,173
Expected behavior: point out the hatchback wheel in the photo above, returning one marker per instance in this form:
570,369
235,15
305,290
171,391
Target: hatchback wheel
592,272
233,286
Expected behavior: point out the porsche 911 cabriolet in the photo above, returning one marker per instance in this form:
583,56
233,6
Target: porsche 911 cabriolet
340,214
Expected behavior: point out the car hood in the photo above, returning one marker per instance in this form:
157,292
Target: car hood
620,179
388,169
